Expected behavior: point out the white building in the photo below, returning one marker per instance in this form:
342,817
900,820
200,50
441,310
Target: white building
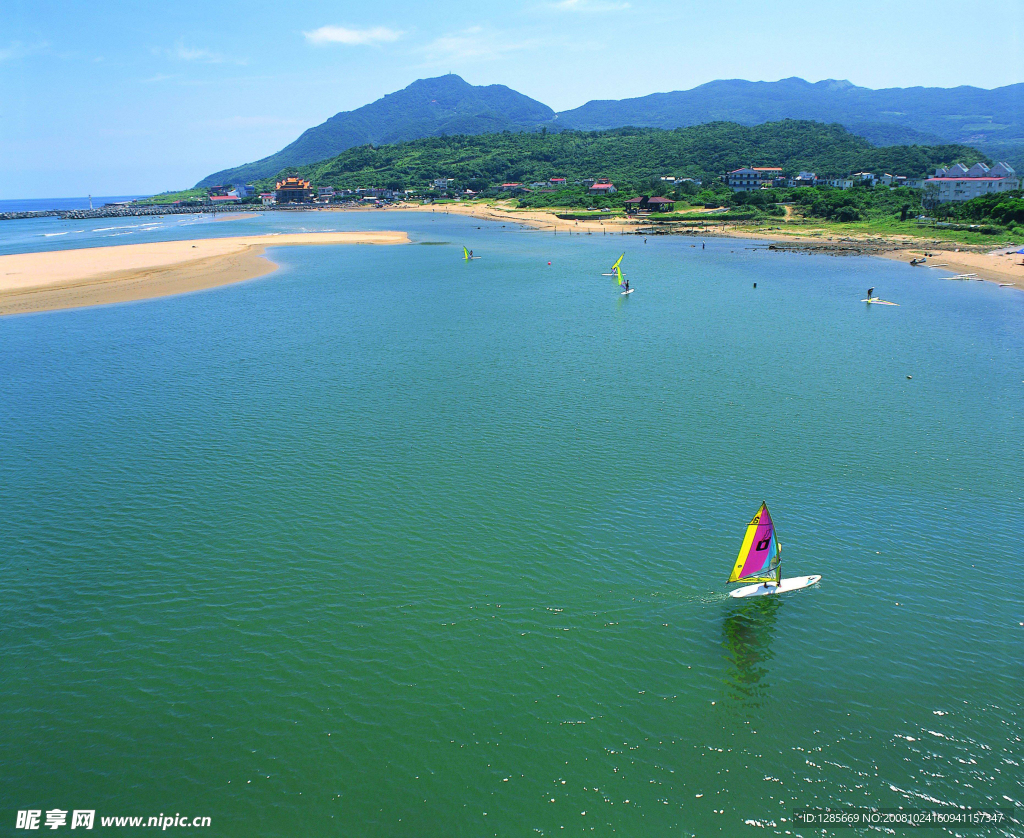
958,183
802,179
838,183
268,199
750,178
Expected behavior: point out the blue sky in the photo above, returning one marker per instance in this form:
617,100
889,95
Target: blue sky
138,97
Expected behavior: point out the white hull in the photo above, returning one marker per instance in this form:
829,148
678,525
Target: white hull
793,584
630,291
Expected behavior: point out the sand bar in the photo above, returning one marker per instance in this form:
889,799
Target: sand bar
100,275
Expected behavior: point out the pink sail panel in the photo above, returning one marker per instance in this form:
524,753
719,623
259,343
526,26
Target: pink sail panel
762,545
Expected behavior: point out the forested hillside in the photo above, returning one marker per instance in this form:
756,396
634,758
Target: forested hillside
630,157
992,120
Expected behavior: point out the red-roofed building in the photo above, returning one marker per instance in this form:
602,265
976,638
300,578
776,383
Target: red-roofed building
224,199
958,183
602,187
557,181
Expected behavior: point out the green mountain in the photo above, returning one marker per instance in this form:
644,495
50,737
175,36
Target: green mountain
992,120
629,156
426,108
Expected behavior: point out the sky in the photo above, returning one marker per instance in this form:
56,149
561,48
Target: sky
119,98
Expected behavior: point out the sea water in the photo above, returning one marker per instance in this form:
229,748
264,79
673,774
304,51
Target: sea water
386,543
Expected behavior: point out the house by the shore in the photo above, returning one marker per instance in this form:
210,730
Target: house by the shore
602,187
750,178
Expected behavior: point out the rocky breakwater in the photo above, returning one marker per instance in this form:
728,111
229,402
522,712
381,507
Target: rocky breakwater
130,210
13,216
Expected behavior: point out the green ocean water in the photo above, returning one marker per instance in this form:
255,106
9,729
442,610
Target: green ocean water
389,544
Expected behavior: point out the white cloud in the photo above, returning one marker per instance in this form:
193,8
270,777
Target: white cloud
591,5
472,43
16,50
197,54
352,37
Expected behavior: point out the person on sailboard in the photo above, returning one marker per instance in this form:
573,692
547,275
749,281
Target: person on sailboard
870,292
471,254
627,286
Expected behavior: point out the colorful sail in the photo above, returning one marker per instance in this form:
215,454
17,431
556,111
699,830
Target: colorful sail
759,559
618,273
465,253
617,261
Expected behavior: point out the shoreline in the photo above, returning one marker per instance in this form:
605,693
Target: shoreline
996,267
61,279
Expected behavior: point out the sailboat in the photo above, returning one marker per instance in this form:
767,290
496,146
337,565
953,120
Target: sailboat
467,255
618,274
760,561
615,267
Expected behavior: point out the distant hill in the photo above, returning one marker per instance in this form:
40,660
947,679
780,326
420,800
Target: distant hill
426,108
630,156
992,120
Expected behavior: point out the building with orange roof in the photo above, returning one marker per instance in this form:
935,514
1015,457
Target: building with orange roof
294,190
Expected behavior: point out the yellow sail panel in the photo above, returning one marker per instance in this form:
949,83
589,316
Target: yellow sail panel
465,253
618,273
617,261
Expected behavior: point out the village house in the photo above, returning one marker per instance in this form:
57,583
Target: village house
267,199
750,178
602,187
958,183
803,179
837,183
557,181
325,194
294,190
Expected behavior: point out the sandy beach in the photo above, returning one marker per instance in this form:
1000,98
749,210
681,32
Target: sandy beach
539,219
1006,269
100,275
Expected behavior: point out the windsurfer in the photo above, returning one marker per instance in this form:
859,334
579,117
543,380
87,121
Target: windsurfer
870,292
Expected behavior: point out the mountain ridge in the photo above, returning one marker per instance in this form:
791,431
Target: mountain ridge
426,108
990,120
